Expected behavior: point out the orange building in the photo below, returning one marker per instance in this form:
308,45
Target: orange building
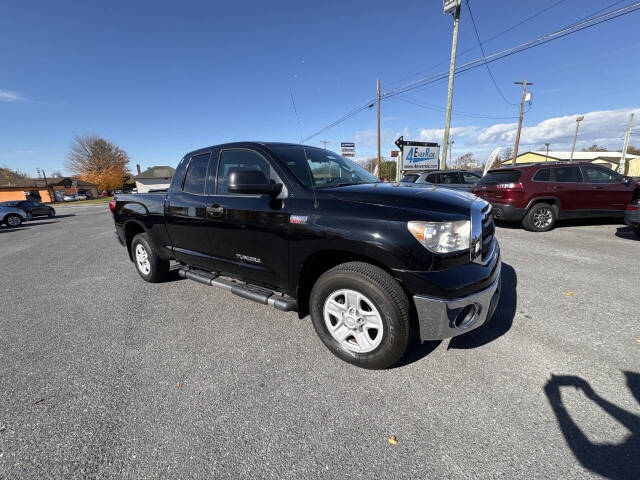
37,189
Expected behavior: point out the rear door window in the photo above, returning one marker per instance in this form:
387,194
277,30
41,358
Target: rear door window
470,178
542,175
450,178
412,177
195,179
566,174
432,178
500,176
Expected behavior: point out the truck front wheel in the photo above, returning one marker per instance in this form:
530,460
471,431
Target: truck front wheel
361,314
149,265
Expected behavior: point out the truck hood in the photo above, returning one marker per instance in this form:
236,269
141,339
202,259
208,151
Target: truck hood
431,198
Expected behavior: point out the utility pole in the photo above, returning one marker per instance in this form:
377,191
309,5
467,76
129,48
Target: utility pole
524,97
452,70
575,136
546,158
379,159
324,143
623,159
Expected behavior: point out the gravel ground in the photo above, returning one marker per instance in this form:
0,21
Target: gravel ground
105,376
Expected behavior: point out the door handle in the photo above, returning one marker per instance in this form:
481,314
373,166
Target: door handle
214,210
557,187
598,188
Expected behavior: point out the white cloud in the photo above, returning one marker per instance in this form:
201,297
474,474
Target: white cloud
11,96
437,134
604,127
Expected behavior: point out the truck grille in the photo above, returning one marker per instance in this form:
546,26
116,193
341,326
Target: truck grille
482,231
488,231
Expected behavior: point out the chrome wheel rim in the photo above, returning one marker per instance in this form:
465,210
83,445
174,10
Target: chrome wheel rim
142,259
13,221
353,321
542,218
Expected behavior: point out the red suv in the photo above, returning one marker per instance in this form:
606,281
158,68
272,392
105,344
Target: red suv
539,194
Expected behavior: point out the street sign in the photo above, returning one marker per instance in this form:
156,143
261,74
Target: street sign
394,153
348,149
418,155
450,5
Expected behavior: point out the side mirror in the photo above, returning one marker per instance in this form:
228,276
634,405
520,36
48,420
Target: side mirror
252,182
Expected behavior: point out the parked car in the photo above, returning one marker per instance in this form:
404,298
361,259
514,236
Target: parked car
538,195
12,216
104,193
458,179
302,229
32,208
632,217
72,197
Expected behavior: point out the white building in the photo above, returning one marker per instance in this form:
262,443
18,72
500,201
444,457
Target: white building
154,178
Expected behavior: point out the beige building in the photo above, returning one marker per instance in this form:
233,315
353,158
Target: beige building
607,159
154,178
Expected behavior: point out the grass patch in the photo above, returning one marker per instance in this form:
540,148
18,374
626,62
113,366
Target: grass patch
84,202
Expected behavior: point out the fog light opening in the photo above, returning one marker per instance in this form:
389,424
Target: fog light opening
466,317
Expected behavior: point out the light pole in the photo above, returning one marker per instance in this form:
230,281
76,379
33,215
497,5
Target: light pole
575,137
546,158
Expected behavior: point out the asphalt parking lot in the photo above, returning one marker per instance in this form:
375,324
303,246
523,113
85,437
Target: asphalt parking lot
105,376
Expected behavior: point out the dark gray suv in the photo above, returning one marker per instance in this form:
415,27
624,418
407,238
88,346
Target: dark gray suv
458,179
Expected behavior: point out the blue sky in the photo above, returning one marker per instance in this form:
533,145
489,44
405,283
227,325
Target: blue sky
162,78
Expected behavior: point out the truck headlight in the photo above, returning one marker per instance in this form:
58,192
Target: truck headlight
442,237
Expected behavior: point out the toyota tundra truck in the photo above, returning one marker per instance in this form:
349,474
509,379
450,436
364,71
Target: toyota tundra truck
303,229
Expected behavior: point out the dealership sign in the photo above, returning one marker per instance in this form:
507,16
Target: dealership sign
348,149
419,155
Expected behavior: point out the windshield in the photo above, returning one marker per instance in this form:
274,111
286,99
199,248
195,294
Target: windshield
318,168
500,176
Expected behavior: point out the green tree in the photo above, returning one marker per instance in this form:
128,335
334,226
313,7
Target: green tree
388,170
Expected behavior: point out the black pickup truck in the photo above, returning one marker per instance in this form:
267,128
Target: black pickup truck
303,229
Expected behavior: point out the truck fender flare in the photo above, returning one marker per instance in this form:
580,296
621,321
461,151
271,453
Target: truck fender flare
138,227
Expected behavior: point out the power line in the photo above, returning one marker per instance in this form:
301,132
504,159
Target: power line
495,84
568,30
537,14
457,112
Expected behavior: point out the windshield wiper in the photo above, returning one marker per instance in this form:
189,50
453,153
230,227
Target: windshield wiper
342,184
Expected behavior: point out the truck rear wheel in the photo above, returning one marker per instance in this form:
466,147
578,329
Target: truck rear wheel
148,264
361,314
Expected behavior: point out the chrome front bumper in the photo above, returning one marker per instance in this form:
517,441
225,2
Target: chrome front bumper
439,318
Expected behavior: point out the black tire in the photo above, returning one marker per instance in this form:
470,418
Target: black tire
158,269
636,230
29,216
540,218
52,212
13,220
388,298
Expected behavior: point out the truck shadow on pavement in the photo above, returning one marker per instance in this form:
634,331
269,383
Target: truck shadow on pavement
27,225
502,319
626,233
614,461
